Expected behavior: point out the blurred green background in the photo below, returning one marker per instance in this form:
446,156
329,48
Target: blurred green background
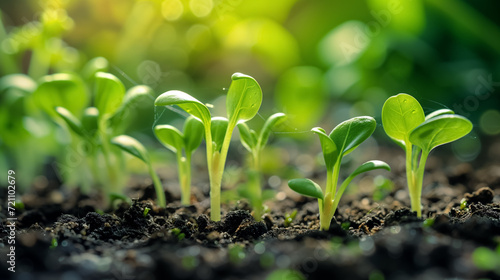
320,62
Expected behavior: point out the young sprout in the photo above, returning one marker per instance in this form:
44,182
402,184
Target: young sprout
404,122
135,148
255,144
177,141
65,99
242,103
343,139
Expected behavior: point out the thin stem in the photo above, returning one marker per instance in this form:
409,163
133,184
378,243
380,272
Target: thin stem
217,170
183,180
160,194
413,188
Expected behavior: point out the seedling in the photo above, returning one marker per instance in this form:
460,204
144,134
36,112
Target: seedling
343,139
135,148
146,211
255,144
242,104
177,141
404,122
289,217
65,99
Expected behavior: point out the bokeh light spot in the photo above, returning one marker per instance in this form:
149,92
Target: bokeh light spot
172,9
490,122
201,8
467,148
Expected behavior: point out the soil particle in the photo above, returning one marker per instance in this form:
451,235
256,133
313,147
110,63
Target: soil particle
483,195
401,216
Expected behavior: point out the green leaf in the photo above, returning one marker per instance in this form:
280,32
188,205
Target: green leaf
306,187
247,137
440,130
72,122
243,99
135,97
270,123
109,93
64,90
369,166
400,115
131,146
193,133
349,134
170,137
330,153
96,64
186,102
20,82
90,121
219,128
439,113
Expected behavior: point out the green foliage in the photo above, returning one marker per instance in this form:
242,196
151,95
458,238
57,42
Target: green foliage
63,90
289,217
404,122
242,104
306,187
255,143
146,211
183,145
135,148
343,139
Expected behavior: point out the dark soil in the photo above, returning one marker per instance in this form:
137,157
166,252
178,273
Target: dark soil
368,239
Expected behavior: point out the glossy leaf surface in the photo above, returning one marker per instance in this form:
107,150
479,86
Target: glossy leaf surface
243,98
440,130
400,115
131,146
306,187
170,137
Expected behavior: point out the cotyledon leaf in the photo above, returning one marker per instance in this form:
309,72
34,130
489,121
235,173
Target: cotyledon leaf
193,133
306,187
330,152
440,130
186,102
243,98
131,146
270,123
400,115
170,137
247,137
109,93
349,134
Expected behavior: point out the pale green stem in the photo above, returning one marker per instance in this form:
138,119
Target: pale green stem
160,194
255,186
106,150
419,177
411,178
219,161
184,183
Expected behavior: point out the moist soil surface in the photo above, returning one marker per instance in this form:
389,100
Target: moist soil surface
60,234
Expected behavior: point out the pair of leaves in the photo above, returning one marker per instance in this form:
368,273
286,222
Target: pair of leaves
61,90
404,121
175,140
109,92
309,188
344,138
243,101
249,137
